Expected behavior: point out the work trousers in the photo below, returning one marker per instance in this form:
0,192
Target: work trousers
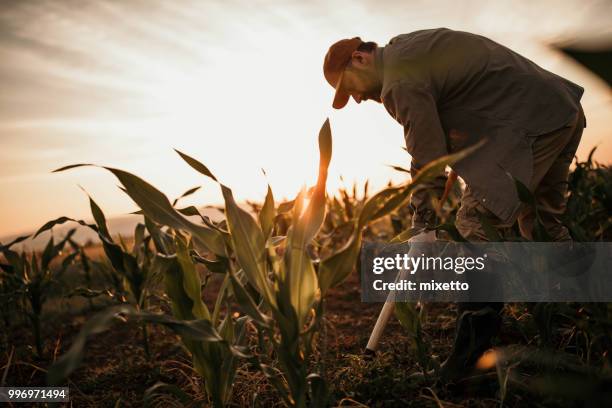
552,155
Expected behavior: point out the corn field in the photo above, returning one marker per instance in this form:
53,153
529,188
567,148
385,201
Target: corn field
262,308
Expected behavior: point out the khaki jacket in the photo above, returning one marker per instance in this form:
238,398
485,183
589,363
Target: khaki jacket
449,89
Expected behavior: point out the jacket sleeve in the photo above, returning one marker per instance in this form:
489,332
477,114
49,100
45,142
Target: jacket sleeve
414,107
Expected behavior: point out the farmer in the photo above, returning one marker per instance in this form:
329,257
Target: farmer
449,89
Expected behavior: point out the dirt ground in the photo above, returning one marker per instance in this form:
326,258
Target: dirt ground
116,372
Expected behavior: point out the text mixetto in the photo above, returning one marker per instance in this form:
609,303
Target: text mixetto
407,285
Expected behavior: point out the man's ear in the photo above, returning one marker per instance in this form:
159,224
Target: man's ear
360,59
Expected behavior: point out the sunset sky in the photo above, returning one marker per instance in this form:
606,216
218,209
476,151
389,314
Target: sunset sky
238,85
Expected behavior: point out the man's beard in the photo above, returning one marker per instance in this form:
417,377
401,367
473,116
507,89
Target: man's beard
373,96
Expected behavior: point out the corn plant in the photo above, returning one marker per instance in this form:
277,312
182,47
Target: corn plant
338,225
290,286
133,266
285,285
590,202
9,284
212,340
96,273
30,280
215,362
411,318
192,331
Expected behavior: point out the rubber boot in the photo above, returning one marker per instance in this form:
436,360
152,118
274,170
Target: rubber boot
473,336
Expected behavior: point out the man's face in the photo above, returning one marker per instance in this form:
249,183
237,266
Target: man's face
360,79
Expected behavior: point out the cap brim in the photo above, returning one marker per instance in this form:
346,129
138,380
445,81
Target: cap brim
340,100
341,97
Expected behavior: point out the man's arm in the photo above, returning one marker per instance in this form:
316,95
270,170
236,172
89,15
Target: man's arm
414,107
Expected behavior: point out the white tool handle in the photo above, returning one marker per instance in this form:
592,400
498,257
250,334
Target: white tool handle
389,305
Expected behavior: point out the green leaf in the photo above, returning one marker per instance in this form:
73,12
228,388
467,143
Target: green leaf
285,207
196,165
325,146
337,267
222,295
432,169
399,168
48,253
99,218
50,224
185,194
299,274
246,302
276,379
67,261
191,281
190,211
157,207
191,329
13,242
220,265
267,214
312,219
249,244
390,198
374,204
71,166
139,237
408,317
163,242
305,290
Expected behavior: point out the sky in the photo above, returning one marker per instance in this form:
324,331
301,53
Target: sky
237,85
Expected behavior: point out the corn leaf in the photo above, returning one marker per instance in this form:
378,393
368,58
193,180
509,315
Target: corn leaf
196,165
50,224
13,242
99,218
248,243
300,276
190,211
191,281
399,168
337,267
157,207
246,302
285,207
267,214
191,329
312,219
185,194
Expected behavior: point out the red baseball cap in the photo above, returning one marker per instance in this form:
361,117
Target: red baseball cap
337,58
